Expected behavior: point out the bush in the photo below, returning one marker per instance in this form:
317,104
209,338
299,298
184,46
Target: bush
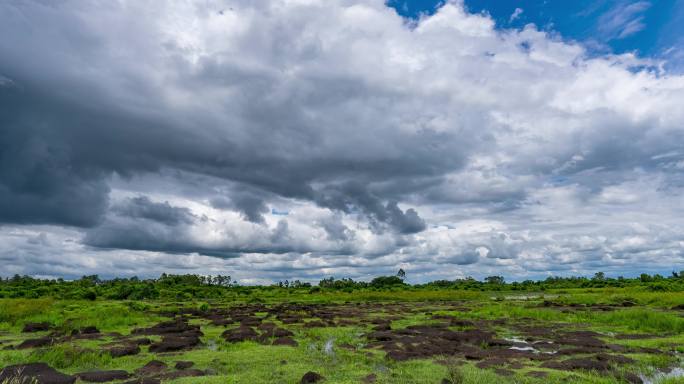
90,295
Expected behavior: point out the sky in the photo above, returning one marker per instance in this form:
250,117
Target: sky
299,139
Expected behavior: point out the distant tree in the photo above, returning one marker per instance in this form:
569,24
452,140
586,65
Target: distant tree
599,276
401,274
495,280
90,280
384,281
645,278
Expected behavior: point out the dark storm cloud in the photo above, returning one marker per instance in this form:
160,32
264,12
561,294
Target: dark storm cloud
41,181
142,207
250,204
86,132
336,230
131,233
354,195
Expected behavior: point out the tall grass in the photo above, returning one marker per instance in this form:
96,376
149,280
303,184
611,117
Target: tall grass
637,319
62,356
68,315
15,310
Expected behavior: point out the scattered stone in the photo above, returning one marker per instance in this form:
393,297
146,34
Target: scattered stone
142,341
504,372
144,380
151,368
615,359
124,350
241,333
537,374
370,379
178,327
315,324
184,365
285,341
632,378
103,376
174,343
36,327
183,373
34,373
89,330
582,363
492,362
311,378
382,327
35,343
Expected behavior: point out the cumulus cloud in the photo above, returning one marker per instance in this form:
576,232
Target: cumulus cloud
169,133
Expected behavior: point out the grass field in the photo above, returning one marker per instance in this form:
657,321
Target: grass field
398,336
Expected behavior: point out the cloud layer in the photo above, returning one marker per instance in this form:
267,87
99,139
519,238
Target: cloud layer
298,139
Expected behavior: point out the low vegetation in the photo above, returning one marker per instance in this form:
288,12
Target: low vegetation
560,330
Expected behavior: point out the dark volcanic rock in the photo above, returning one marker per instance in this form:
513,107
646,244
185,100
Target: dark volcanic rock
587,364
34,373
285,341
103,376
493,362
421,341
151,368
89,330
124,350
537,374
174,343
632,378
36,327
382,327
35,343
241,333
314,324
177,327
144,380
311,378
183,373
142,341
184,365
277,332
504,372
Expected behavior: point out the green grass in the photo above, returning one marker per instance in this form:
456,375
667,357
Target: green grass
250,362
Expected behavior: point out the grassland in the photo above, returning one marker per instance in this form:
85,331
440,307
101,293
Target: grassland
374,336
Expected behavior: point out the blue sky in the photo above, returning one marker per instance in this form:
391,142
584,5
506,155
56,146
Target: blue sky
651,28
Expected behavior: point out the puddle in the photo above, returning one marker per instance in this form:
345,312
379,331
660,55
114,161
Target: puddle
211,345
523,297
524,346
328,347
525,349
662,375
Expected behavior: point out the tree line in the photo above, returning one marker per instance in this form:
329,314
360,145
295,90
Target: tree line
190,286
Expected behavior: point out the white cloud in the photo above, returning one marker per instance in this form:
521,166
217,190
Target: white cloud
623,20
524,156
515,15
